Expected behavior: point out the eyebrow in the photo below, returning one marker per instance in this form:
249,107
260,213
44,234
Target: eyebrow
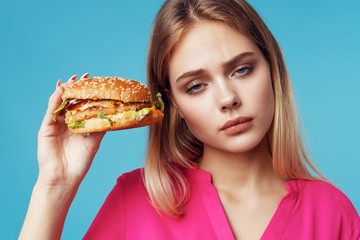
237,59
226,65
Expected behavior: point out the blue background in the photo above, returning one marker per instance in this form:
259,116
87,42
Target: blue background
43,41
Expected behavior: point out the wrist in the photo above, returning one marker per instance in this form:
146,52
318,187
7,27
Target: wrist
61,194
53,182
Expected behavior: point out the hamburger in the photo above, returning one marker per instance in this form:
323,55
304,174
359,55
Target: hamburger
101,104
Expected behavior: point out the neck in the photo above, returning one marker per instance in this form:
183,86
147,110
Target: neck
240,173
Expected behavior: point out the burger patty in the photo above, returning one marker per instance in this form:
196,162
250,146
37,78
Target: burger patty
91,109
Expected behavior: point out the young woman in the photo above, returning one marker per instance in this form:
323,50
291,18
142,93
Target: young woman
227,161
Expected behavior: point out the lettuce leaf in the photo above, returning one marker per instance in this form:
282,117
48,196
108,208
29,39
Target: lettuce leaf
61,107
76,125
103,116
159,104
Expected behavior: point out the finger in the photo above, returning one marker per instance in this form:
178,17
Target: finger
55,99
54,102
72,78
95,136
70,81
93,141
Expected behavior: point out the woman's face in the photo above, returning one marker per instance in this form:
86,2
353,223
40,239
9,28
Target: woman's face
221,85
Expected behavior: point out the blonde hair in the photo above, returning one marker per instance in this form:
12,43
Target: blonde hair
171,146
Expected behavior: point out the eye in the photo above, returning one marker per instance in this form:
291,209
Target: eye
242,71
194,87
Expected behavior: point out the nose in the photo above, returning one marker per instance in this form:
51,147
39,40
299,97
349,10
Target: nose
228,97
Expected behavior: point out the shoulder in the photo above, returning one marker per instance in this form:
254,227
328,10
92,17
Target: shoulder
111,220
135,175
320,192
130,181
324,192
324,202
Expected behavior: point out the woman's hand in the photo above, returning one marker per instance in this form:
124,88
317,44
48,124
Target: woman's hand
64,157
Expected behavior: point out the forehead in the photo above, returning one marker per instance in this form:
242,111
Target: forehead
205,44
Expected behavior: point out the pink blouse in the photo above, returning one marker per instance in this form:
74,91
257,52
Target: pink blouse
310,210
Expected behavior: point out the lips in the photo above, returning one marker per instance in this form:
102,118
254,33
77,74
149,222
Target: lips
236,122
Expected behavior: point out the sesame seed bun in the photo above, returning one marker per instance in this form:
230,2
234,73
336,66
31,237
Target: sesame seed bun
111,88
101,104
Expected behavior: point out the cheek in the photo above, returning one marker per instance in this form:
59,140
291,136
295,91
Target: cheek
260,100
197,119
267,95
193,115
262,92
266,101
194,109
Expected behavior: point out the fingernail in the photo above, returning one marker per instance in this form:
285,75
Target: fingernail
73,78
85,75
58,83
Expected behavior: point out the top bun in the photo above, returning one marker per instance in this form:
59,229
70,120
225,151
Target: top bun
109,88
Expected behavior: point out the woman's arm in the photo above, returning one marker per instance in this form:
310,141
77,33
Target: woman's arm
64,159
47,212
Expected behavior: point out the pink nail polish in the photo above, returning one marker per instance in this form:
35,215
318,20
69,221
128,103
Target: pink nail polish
73,78
85,75
58,83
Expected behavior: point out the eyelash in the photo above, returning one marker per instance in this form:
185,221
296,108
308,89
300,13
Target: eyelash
247,69
190,88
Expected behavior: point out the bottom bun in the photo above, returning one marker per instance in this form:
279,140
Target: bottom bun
103,125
